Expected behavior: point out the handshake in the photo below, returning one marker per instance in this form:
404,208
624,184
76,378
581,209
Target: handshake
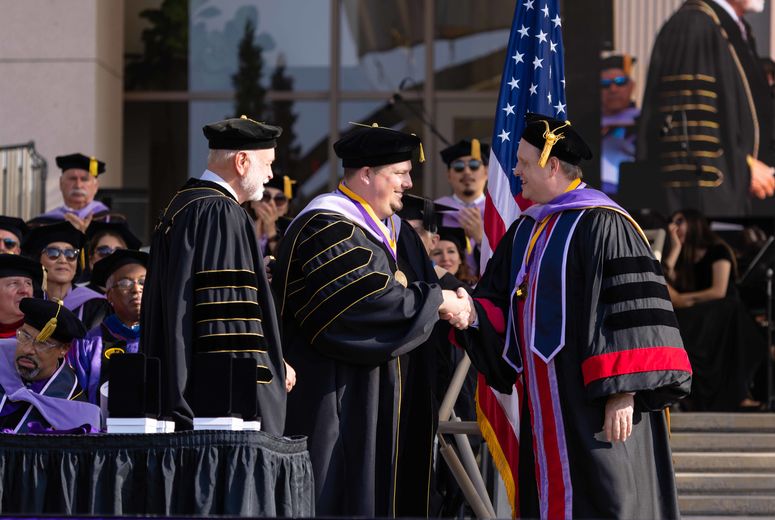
457,308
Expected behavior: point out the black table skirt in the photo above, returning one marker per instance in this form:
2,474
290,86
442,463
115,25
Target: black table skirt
185,473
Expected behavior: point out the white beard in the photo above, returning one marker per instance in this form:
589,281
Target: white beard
754,6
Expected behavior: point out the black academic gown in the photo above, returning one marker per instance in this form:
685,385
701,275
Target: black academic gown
206,292
704,71
620,336
358,342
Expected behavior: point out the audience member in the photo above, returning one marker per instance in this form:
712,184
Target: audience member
467,175
123,274
58,247
79,184
37,387
449,254
724,346
271,210
619,114
12,231
18,277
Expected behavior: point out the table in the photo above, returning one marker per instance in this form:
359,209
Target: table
184,473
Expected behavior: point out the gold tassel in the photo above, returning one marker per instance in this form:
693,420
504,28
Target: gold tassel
82,259
44,282
551,139
50,327
469,249
93,167
422,151
288,186
476,149
627,64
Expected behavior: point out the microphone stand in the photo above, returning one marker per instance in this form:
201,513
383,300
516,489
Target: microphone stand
398,98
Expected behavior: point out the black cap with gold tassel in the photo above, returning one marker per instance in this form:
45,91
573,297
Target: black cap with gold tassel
52,320
376,145
555,138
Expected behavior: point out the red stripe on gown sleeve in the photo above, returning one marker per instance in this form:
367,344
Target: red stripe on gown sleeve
494,315
634,361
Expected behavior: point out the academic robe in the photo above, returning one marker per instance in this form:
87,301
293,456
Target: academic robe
55,403
206,292
451,220
90,306
704,71
619,335
90,357
358,341
95,207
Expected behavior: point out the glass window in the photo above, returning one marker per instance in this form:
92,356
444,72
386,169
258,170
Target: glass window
267,33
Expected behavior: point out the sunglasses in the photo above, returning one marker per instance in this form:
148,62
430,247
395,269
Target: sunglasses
53,253
619,81
460,165
279,199
106,250
9,243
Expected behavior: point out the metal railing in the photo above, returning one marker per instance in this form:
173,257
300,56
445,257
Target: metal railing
22,181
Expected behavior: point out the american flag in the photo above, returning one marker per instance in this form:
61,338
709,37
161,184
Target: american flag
533,81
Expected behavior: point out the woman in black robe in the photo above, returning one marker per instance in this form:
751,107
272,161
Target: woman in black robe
720,336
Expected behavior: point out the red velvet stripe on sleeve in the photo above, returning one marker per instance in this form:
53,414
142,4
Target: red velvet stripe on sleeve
633,361
494,315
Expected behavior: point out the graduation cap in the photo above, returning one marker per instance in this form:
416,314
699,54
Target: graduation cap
40,237
241,133
52,319
376,145
420,208
619,61
115,261
14,225
474,148
16,265
455,235
555,138
120,228
284,184
80,161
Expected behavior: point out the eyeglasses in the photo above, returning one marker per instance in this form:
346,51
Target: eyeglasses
126,284
9,243
106,250
619,81
279,199
22,336
53,253
460,165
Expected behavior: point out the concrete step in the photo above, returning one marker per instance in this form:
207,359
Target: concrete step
724,442
731,505
697,462
726,483
722,422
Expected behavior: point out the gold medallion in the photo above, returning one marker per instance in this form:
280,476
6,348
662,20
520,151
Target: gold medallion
401,278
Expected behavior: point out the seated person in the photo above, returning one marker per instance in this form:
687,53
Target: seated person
18,277
79,184
467,176
12,231
103,239
36,385
123,273
270,213
58,247
449,254
724,345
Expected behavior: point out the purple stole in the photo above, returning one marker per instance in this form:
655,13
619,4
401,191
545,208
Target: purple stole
77,296
59,412
94,206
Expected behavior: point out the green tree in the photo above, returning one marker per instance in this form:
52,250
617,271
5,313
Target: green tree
249,95
288,151
164,62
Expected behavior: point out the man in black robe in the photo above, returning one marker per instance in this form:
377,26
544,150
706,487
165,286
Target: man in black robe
206,290
37,385
358,302
707,118
592,343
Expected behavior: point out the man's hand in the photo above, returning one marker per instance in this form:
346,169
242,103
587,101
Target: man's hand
762,180
617,425
471,221
268,263
290,377
457,308
79,223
